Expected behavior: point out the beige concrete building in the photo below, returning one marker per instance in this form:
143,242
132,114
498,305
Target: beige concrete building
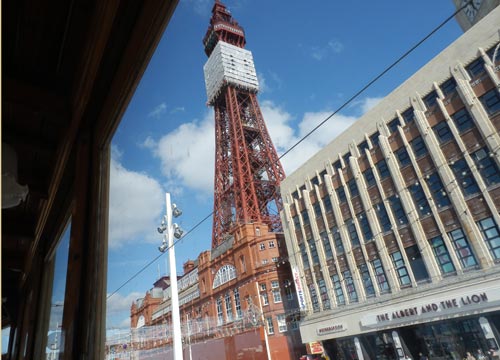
393,228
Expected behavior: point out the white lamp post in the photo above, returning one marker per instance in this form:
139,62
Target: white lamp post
170,230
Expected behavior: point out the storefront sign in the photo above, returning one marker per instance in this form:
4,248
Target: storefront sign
298,286
331,329
314,347
401,314
433,307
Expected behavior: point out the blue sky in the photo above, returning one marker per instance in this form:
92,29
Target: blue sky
310,57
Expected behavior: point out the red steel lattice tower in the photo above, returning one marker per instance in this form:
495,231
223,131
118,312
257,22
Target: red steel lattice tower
247,168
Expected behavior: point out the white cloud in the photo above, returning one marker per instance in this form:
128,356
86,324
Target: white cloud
187,154
331,47
118,309
136,203
158,110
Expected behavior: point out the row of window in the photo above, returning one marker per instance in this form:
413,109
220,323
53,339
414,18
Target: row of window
458,244
282,324
226,303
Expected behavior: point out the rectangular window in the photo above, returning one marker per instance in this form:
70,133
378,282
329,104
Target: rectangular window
419,199
476,67
271,244
270,326
327,203
337,288
323,292
374,139
305,217
430,100
275,284
353,234
462,248
491,234
464,177
437,190
353,188
275,259
341,194
365,227
229,307
349,285
265,298
337,240
314,298
442,132
369,177
237,303
317,209
346,158
366,280
397,210
418,147
281,319
403,157
442,255
382,216
296,222
491,101
408,115
382,282
315,181
263,287
220,314
314,251
305,258
487,166
262,246
400,267
326,245
276,295
288,291
448,86
393,125
362,147
463,121
337,165
265,261
417,263
383,170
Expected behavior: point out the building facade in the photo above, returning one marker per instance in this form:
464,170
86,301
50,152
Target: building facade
392,229
236,299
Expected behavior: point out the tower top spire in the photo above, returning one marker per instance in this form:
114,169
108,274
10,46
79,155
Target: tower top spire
223,27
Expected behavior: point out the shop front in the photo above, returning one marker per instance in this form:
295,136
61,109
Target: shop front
442,340
441,324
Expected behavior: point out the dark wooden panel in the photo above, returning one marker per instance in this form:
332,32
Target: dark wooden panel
425,164
449,219
478,207
409,175
390,243
430,227
407,236
358,256
371,250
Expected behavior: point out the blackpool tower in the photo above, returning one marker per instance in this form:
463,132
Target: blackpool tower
247,168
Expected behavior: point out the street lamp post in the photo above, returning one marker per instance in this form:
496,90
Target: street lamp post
170,230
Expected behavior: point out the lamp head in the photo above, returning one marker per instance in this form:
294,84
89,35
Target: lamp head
176,212
177,231
163,247
161,229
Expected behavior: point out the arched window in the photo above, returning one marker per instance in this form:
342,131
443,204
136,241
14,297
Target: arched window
225,274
